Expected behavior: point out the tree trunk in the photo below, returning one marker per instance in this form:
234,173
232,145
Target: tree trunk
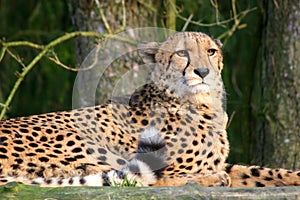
278,143
87,17
106,17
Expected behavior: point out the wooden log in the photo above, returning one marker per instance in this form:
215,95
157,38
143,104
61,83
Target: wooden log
189,191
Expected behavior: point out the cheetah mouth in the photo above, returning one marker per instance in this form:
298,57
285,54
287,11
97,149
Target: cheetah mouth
193,82
197,85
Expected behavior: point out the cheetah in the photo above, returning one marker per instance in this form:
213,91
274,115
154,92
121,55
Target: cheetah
170,131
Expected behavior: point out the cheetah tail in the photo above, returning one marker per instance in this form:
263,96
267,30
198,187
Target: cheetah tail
255,176
90,180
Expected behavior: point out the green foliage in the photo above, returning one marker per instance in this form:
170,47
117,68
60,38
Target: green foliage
47,87
125,183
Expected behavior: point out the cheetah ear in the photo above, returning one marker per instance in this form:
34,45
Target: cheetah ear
219,43
147,51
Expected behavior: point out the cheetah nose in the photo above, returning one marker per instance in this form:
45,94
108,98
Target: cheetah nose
202,72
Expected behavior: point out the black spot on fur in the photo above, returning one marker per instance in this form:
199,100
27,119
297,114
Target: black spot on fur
36,128
59,137
48,181
35,183
200,127
270,173
33,145
102,151
44,159
170,169
255,172
195,143
76,150
49,131
102,158
259,184
18,141
144,122
90,151
29,138
19,149
228,168
58,146
82,181
64,162
40,150
60,182
245,176
6,131
71,181
189,151
19,161
216,162
210,155
30,154
31,165
268,179
70,159
24,130
15,166
70,143
206,116
133,120
3,150
121,161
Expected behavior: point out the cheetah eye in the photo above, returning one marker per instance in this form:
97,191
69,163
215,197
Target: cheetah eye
211,52
182,53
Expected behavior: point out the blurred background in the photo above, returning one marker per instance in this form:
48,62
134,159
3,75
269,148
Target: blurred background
261,61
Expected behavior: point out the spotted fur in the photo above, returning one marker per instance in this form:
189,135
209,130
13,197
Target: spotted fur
171,131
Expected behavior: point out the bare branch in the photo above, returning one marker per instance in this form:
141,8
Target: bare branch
214,3
103,17
22,43
187,22
6,45
2,53
16,57
44,51
150,7
124,15
57,61
237,20
240,15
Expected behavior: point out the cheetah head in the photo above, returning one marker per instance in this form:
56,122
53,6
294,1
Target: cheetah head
187,63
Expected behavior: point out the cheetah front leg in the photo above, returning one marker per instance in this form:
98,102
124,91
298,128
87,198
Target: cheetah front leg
208,180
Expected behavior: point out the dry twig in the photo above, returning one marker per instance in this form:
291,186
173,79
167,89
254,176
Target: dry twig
27,68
